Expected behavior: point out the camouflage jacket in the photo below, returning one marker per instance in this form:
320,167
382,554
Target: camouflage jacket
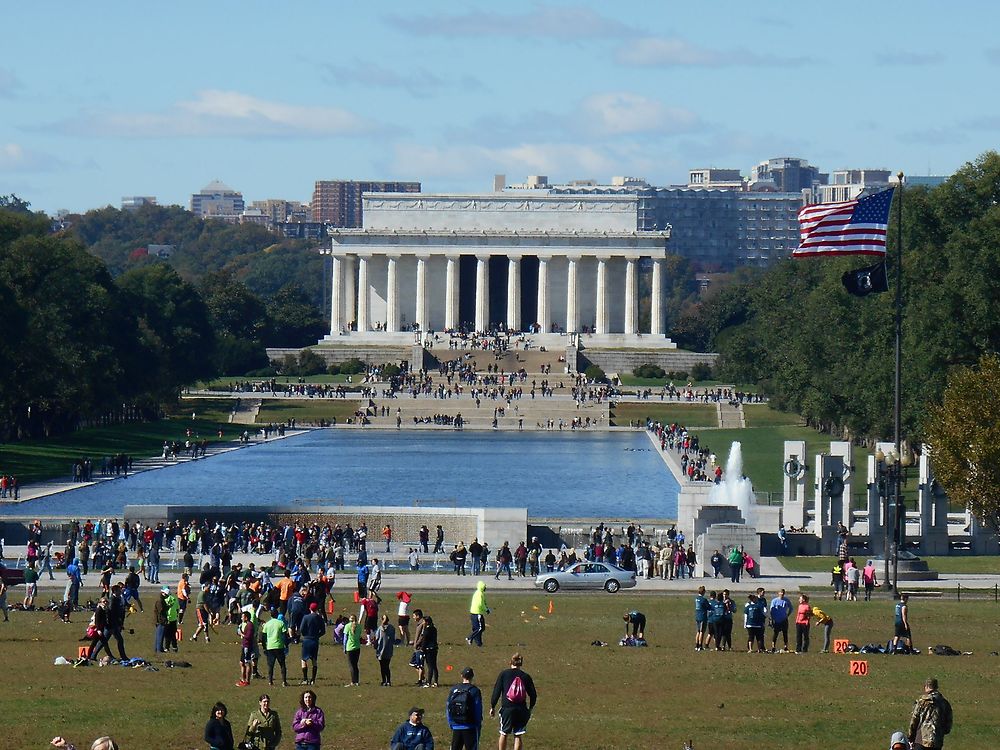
931,720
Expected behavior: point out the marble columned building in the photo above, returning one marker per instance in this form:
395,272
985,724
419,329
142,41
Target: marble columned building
551,264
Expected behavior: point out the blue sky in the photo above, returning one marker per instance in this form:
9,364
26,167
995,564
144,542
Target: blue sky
103,100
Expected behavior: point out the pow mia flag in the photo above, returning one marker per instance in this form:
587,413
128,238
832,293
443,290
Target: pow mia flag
868,280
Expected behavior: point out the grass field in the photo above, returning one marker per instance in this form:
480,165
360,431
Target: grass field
691,415
980,564
36,460
762,415
306,411
589,697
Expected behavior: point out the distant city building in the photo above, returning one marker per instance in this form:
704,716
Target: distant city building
218,201
927,180
726,179
848,184
338,202
278,210
785,175
133,202
303,229
716,228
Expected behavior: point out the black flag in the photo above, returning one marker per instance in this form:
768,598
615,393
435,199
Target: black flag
868,280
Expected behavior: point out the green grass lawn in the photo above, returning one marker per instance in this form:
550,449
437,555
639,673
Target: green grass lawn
980,564
589,697
691,415
307,410
37,460
762,415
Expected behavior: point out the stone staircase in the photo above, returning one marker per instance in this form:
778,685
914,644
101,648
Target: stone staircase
730,417
531,361
533,414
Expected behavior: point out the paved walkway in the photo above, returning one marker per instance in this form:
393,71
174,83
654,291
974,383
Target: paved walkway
397,577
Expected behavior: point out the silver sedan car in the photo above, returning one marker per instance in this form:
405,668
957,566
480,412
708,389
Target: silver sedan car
587,575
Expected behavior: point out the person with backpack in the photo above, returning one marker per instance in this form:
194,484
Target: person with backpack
931,718
514,690
465,713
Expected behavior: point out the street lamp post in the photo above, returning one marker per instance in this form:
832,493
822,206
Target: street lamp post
891,469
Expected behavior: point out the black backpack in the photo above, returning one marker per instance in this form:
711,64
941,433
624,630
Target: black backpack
460,705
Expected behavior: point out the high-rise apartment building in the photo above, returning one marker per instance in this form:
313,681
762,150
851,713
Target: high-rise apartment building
848,184
786,175
338,202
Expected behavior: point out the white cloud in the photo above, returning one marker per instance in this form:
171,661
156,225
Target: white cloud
221,113
560,161
556,22
622,113
16,158
666,52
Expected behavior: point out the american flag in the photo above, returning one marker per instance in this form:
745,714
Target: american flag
854,227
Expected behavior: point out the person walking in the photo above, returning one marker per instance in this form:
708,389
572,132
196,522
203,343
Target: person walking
478,609
869,579
412,734
384,642
902,623
514,690
308,723
465,713
352,649
218,731
264,726
931,719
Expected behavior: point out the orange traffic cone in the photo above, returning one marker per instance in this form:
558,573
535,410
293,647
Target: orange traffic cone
551,607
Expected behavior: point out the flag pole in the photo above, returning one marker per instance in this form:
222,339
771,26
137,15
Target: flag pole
899,517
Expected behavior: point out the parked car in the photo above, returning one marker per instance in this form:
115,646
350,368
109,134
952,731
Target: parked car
587,575
11,576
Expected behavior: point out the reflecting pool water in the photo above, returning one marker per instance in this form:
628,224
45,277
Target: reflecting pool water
596,475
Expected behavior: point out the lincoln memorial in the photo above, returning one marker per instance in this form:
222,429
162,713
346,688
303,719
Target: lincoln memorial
549,265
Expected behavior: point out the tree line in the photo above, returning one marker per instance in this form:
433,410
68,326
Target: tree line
81,343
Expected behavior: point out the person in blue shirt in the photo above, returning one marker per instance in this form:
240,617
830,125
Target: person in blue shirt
716,613
412,734
701,608
754,616
780,610
363,571
466,699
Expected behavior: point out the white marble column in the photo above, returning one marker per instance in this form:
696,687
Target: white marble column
544,314
631,304
350,308
336,296
482,292
364,296
572,310
656,303
513,293
451,293
422,303
602,295
391,297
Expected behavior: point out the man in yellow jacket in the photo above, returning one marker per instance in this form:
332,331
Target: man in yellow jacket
477,613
